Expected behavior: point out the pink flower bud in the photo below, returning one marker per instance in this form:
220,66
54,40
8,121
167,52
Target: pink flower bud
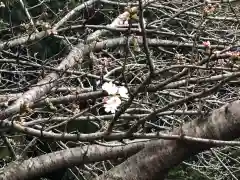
206,44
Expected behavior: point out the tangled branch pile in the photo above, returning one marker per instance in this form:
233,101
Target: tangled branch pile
177,60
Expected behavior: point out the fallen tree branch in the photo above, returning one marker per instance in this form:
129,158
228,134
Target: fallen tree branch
74,57
154,161
38,166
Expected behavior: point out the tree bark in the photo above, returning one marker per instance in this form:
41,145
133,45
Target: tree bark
38,166
152,162
155,160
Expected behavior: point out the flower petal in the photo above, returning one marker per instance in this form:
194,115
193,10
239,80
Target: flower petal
114,101
112,104
123,92
110,88
107,109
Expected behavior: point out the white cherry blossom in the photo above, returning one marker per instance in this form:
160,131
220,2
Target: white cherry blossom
111,88
112,104
122,91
